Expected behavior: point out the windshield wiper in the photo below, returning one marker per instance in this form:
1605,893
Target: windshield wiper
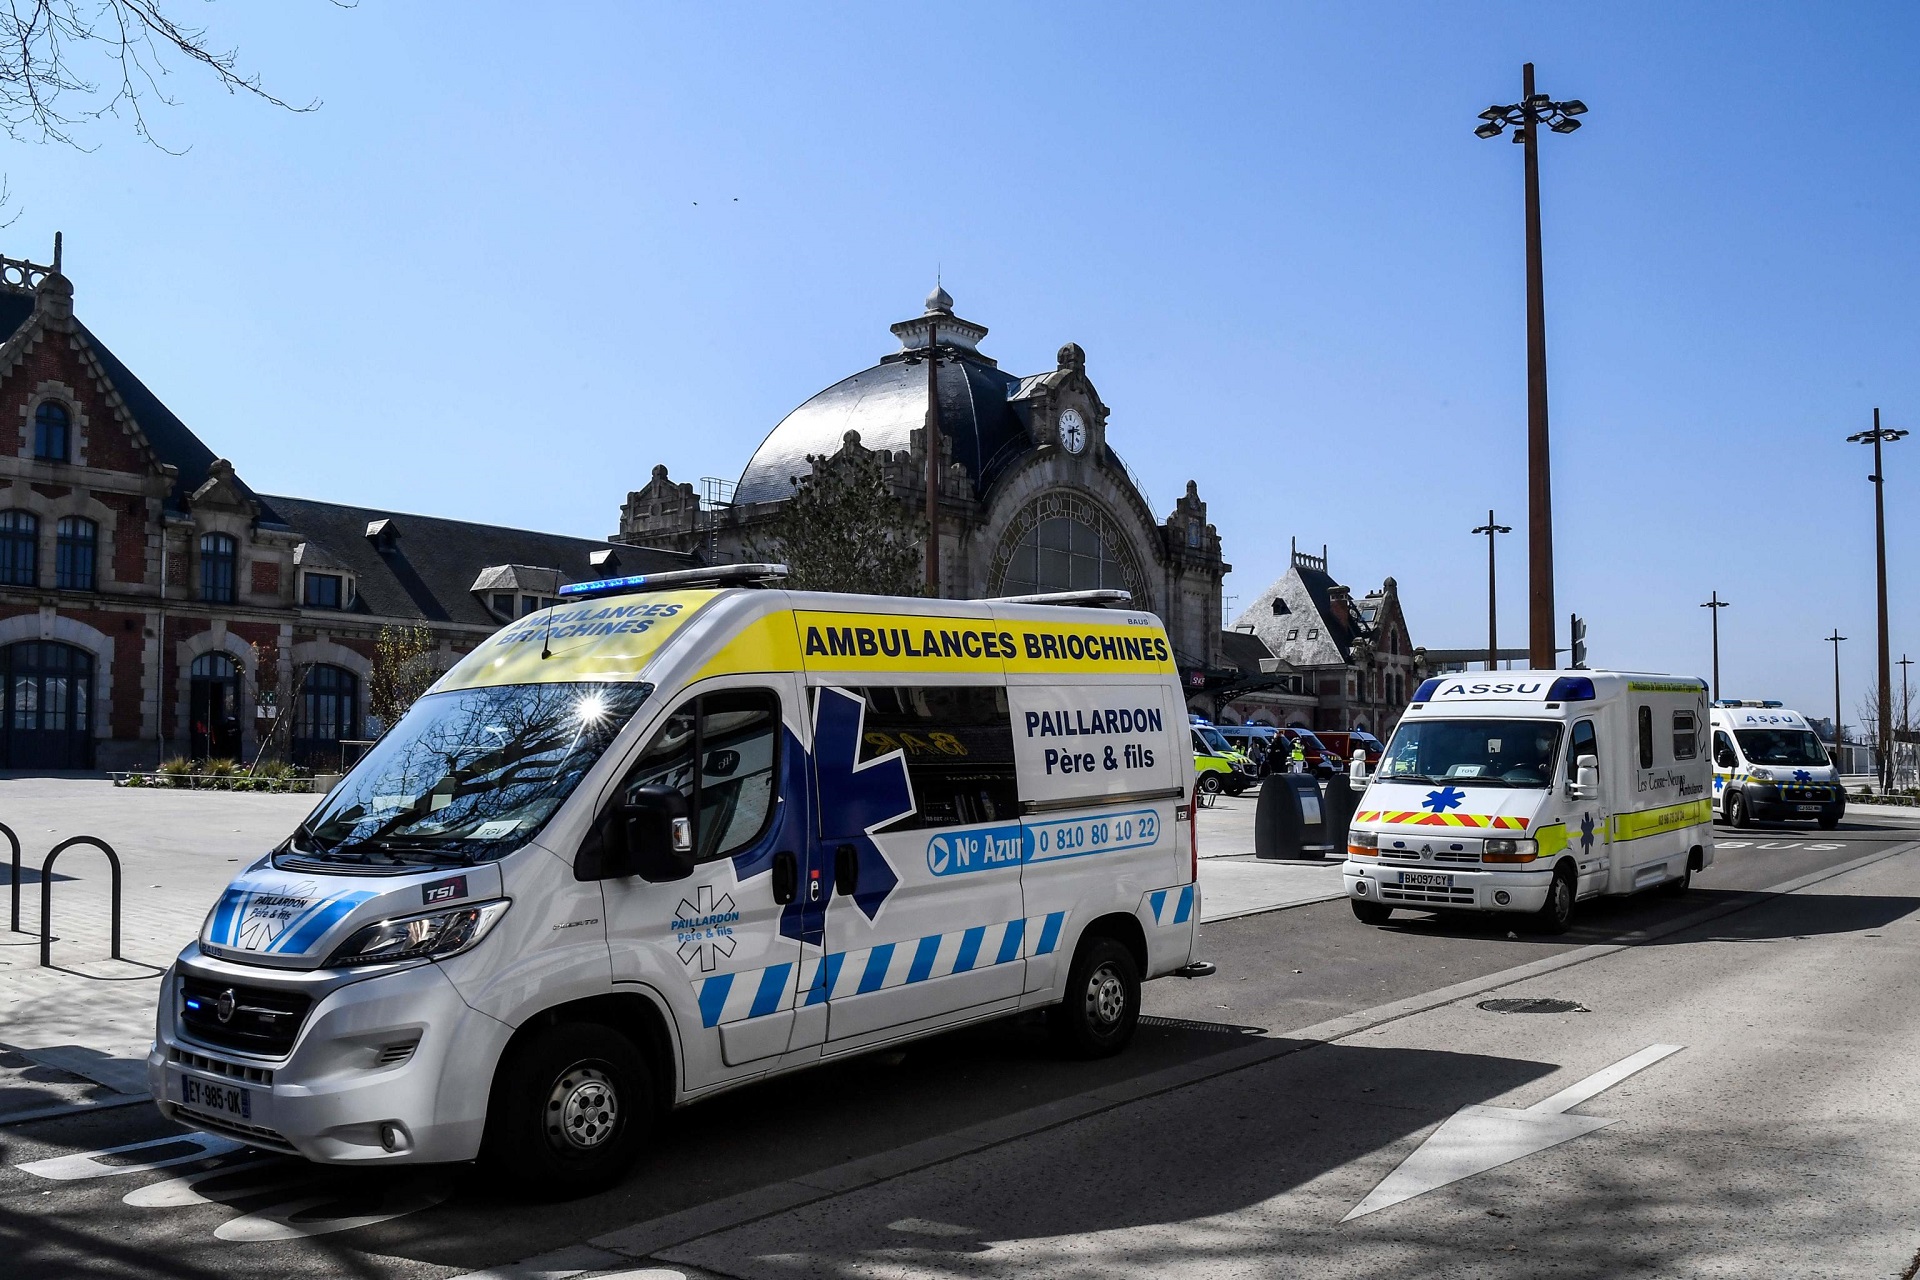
394,848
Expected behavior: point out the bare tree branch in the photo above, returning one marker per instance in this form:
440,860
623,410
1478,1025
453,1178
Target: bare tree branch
54,51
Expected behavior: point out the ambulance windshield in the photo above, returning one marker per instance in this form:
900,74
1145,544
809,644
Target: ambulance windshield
468,775
1781,746
1478,753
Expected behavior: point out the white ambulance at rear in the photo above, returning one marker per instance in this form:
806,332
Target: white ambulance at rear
1769,765
1526,791
670,839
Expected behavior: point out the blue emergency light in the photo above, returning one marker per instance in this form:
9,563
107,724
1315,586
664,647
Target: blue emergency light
720,575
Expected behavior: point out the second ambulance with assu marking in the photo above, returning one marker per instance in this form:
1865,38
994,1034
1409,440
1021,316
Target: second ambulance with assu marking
642,848
1769,765
1525,791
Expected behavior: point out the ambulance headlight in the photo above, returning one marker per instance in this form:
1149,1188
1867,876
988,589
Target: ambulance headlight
1760,775
431,935
1499,850
1363,844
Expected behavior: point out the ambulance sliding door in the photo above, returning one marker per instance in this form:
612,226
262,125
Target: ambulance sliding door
919,821
1099,785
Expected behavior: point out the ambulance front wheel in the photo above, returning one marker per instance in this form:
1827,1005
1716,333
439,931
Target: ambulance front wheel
1102,1007
1370,912
1210,783
571,1108
1556,913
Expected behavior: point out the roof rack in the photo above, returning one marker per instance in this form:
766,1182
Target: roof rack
1110,596
720,575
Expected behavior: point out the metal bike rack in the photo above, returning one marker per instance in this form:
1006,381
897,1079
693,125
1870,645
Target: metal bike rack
14,840
46,893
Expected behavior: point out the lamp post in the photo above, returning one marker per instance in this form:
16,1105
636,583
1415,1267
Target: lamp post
1835,640
1906,704
1527,116
1716,604
1885,733
933,457
1493,612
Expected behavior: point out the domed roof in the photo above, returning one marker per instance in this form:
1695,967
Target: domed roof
888,402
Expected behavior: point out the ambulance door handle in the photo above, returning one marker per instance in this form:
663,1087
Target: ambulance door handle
786,877
846,870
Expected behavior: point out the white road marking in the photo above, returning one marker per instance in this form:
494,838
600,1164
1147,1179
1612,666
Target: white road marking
87,1164
1476,1139
928,1227
296,1219
175,1193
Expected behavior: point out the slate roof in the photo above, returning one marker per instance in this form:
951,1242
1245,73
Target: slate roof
886,404
1244,650
173,442
428,573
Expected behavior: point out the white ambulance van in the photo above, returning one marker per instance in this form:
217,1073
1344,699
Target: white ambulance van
1769,765
674,835
1525,791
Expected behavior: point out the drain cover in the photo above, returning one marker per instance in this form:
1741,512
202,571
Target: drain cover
1539,1004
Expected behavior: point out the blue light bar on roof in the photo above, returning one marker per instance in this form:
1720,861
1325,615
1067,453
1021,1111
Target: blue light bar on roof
721,575
1571,689
1426,689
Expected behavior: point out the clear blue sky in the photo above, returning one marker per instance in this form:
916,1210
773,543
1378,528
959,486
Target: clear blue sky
477,282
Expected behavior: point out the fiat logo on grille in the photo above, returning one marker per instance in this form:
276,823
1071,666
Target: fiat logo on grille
223,1006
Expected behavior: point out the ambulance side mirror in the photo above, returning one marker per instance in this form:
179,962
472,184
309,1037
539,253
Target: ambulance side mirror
1357,771
647,832
1586,779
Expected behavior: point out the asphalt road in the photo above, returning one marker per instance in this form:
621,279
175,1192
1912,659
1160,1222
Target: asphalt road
990,1120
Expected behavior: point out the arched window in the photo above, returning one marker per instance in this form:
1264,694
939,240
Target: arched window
329,711
45,713
1061,554
51,431
78,541
19,548
213,708
219,557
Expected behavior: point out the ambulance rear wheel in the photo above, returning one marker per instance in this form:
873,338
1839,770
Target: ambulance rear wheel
570,1111
1102,1007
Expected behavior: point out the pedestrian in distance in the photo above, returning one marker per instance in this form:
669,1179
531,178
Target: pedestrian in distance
1299,756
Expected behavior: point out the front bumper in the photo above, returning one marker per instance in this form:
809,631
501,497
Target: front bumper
1470,886
348,1092
1773,802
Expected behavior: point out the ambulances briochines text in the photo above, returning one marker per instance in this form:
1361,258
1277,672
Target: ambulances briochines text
588,620
983,643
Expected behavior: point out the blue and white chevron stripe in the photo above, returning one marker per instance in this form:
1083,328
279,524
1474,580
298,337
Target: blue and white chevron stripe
754,993
1172,905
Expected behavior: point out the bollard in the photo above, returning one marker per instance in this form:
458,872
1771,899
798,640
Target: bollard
14,840
46,895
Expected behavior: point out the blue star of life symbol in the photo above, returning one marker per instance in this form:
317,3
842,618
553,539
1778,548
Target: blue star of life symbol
1444,799
1586,833
857,797
1801,775
704,928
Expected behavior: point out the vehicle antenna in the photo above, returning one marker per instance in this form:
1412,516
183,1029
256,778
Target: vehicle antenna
546,641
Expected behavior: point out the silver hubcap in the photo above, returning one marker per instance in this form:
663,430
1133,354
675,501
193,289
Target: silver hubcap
582,1110
1106,996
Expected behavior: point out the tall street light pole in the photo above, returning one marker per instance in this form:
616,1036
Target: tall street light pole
1885,730
1906,703
1716,604
933,459
1528,116
1493,611
1838,734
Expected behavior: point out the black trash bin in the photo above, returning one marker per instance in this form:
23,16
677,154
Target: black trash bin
1292,819
1340,800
